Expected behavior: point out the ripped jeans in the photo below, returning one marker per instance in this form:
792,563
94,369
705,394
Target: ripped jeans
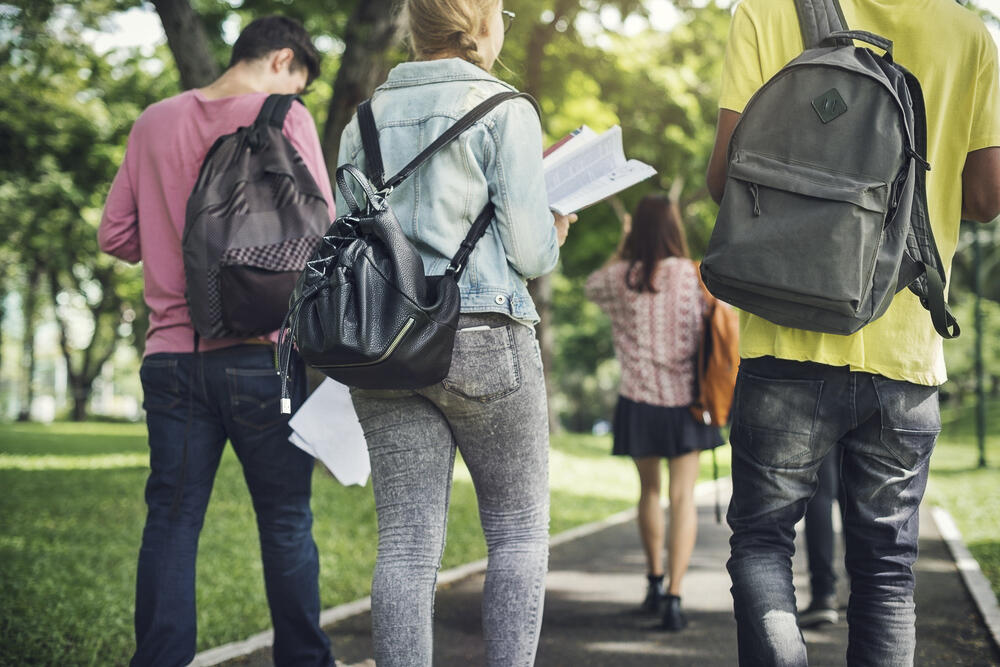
788,415
491,408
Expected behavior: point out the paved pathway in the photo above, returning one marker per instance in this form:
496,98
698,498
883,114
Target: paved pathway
596,581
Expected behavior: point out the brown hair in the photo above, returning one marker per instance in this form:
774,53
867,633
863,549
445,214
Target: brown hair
656,233
437,27
271,33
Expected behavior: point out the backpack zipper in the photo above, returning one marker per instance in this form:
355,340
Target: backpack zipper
755,194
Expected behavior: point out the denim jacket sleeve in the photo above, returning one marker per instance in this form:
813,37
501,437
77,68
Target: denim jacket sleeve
517,190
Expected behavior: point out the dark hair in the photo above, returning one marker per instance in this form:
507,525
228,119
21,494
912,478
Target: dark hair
271,33
656,233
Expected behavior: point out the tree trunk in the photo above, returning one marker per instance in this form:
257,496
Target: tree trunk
28,312
81,395
189,43
95,355
371,31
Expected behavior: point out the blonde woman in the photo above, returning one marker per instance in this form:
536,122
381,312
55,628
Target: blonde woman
492,406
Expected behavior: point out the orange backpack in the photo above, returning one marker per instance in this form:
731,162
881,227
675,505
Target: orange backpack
718,361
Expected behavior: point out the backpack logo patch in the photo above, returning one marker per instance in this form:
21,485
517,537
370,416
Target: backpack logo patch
829,105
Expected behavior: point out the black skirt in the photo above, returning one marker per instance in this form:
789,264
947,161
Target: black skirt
642,430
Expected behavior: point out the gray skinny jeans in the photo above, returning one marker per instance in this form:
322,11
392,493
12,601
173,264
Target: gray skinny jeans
492,408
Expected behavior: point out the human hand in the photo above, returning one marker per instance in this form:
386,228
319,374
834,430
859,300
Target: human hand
562,223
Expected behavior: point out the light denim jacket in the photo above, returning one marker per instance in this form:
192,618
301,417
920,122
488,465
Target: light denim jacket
498,159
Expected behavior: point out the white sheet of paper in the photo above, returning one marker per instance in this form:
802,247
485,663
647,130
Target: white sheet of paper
327,427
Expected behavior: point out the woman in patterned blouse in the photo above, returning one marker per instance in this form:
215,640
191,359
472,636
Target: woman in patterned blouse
650,290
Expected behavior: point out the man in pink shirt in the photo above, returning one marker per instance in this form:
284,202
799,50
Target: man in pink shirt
230,389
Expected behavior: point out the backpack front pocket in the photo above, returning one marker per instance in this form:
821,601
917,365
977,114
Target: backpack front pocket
797,232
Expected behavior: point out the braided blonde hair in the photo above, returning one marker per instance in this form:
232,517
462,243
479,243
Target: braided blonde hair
437,27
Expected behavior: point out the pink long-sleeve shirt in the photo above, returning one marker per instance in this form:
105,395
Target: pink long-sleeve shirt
144,214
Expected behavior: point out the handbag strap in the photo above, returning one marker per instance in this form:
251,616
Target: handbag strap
373,152
376,169
476,232
369,141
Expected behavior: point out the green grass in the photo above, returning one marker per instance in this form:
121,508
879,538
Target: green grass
969,493
71,517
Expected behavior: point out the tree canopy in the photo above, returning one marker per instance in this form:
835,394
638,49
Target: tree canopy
68,110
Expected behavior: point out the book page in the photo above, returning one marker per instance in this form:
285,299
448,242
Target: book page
567,145
625,176
573,168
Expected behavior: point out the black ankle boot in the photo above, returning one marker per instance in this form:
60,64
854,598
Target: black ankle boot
653,604
673,617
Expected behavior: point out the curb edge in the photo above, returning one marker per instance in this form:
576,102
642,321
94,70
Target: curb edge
975,581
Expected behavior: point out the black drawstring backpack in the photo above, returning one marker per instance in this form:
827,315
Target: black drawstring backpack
363,312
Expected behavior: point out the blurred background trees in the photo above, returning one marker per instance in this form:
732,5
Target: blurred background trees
73,321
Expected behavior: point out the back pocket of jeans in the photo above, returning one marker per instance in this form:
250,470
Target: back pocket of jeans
911,419
254,396
777,418
484,365
160,384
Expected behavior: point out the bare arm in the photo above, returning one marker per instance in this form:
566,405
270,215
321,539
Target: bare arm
981,185
719,163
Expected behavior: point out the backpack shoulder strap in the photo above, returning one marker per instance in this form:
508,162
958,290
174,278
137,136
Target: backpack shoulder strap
460,126
272,114
922,269
819,18
274,110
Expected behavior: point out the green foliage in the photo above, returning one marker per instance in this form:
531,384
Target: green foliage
71,519
960,353
662,89
66,116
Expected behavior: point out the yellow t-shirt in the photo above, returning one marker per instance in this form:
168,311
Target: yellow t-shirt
953,56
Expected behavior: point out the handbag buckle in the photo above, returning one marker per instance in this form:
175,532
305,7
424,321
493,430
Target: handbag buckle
378,199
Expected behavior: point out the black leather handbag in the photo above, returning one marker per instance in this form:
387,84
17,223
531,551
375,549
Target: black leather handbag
363,312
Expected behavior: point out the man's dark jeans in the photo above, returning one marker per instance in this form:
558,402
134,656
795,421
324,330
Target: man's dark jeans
226,394
788,415
819,527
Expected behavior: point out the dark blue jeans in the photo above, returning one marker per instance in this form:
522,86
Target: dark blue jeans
226,394
788,416
819,527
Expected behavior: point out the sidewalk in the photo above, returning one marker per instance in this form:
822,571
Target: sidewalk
596,581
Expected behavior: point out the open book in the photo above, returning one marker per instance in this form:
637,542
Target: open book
584,168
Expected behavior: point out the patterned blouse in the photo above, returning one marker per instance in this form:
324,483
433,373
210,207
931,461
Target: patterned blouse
655,333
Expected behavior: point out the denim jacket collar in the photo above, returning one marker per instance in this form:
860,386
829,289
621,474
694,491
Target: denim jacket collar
420,72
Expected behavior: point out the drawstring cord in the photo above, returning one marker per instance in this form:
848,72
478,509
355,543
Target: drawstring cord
286,340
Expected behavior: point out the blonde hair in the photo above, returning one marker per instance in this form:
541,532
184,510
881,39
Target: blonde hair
436,27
